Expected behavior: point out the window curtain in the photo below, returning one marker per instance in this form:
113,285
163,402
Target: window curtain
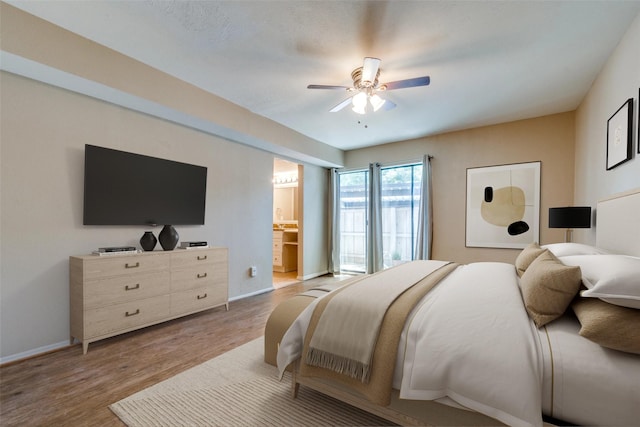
374,221
424,235
334,221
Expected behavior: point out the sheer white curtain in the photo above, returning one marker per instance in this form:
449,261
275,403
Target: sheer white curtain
425,213
374,221
334,221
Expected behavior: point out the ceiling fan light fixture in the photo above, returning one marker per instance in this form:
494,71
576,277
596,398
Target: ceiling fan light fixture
365,88
360,99
376,102
359,102
359,109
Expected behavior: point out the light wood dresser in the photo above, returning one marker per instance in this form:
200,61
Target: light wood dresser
114,294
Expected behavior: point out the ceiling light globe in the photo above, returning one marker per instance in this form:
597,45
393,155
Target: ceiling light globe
376,102
359,101
359,109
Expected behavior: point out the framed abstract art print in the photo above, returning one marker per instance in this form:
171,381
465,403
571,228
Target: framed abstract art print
503,206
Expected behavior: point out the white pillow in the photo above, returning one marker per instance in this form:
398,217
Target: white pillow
612,278
568,249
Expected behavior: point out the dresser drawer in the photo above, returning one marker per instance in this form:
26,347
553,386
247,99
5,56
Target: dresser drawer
119,317
192,278
195,257
119,289
198,299
277,260
115,265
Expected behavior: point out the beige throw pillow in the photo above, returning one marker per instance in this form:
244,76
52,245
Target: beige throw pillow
609,325
548,286
526,257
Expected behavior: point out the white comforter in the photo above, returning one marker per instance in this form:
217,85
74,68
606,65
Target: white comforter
469,340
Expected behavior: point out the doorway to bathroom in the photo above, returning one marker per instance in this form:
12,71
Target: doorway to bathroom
285,224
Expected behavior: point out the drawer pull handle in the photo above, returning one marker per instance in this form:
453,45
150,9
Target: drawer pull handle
132,288
132,314
202,297
202,258
136,265
201,276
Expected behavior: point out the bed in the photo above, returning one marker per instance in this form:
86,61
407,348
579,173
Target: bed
486,343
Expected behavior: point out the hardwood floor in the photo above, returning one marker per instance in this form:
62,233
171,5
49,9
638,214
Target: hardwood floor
67,388
281,280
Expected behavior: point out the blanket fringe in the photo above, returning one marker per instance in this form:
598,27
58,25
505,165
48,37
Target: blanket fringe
340,364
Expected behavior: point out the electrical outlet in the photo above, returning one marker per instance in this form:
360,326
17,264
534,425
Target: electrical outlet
253,271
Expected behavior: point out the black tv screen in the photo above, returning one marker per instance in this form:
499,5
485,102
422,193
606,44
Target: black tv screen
122,188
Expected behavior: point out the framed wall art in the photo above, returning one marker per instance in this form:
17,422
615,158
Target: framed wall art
619,135
503,206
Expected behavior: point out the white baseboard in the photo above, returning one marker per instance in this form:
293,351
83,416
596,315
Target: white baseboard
261,291
34,352
313,275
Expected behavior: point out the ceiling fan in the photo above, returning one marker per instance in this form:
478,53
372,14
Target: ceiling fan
365,88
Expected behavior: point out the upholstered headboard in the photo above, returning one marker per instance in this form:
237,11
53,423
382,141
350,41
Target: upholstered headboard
618,223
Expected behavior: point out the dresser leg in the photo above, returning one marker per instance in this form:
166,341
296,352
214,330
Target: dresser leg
85,347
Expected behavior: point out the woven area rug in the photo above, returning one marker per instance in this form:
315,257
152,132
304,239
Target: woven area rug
236,389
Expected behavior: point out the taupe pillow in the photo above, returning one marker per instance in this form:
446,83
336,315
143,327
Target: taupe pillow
548,286
526,257
609,325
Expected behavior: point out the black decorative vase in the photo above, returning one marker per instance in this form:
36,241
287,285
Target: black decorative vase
168,238
148,241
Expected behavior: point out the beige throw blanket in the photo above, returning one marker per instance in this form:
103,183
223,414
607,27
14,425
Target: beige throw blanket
356,343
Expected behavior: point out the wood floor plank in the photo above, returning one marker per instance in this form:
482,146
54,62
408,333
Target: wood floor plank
66,387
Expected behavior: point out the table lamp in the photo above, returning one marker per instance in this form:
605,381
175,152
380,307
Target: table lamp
570,217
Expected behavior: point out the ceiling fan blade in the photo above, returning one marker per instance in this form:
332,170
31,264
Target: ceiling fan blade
388,105
370,70
341,105
326,87
402,84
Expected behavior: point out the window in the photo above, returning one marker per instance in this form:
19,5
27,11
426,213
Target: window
400,188
353,221
400,196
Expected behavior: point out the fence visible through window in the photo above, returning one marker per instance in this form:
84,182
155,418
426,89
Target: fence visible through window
353,221
400,195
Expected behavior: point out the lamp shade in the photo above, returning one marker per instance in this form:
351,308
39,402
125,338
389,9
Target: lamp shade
359,102
376,102
570,217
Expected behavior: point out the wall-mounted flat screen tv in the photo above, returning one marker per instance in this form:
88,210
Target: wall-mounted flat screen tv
122,188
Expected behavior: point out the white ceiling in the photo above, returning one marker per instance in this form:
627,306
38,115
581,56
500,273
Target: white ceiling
489,61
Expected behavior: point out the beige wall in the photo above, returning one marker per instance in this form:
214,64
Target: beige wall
618,81
547,139
314,240
43,130
43,133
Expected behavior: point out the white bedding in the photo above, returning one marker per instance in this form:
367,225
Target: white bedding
469,340
588,384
